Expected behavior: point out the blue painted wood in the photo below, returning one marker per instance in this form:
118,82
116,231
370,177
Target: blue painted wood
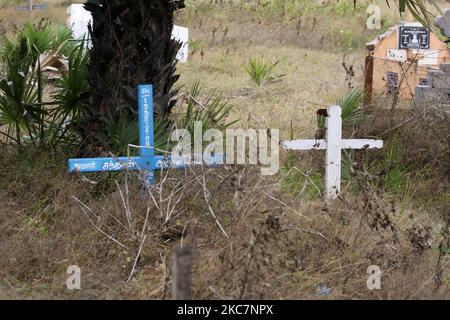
132,163
147,162
146,131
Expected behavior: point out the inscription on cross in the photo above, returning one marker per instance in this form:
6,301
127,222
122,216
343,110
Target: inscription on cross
147,162
333,146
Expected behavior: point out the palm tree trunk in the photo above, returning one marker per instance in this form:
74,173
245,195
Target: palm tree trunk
131,45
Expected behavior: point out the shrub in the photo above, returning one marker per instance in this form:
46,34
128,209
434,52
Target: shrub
25,115
350,104
212,112
262,70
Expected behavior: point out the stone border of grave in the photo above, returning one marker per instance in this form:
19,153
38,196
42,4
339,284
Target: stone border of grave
437,90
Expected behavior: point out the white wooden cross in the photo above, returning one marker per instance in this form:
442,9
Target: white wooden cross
333,145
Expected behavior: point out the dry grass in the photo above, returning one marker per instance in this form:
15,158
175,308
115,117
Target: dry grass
11,19
278,245
295,98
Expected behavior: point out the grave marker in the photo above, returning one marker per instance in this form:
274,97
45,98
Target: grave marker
147,162
333,146
181,34
406,51
78,21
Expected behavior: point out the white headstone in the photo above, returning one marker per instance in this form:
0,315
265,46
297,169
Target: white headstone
79,19
182,35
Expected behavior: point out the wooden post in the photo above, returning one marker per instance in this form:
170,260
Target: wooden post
333,157
30,8
182,274
368,75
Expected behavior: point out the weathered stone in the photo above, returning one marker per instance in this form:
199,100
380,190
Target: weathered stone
435,72
443,22
429,95
440,82
438,89
421,94
445,67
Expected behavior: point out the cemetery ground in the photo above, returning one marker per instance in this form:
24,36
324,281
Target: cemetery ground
280,239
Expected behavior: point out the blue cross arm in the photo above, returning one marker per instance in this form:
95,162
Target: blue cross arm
184,162
108,164
135,163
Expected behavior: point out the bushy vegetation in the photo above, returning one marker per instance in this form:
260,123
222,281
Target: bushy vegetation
49,113
254,237
28,113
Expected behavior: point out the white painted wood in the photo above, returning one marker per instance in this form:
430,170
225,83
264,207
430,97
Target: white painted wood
79,19
333,146
334,153
322,144
305,145
182,35
361,144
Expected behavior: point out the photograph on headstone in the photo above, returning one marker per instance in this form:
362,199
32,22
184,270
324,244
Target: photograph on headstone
223,159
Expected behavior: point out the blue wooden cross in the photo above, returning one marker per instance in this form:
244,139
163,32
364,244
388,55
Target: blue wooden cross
147,162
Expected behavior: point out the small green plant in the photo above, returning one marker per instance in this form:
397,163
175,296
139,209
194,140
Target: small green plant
350,104
125,132
212,112
195,45
392,170
343,8
70,98
262,70
121,134
299,180
20,95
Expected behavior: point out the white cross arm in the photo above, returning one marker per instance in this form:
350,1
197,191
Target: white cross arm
322,144
361,144
305,144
